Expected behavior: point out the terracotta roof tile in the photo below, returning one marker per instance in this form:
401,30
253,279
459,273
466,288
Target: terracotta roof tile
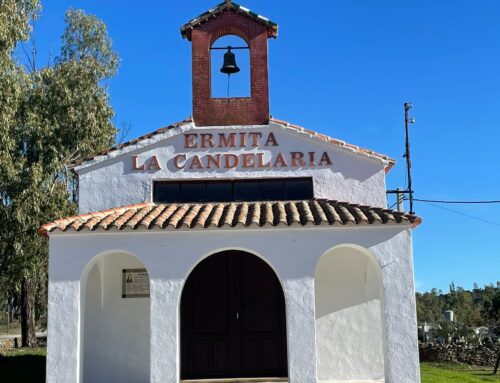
229,215
272,27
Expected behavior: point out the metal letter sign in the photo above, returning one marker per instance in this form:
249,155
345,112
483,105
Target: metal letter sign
135,283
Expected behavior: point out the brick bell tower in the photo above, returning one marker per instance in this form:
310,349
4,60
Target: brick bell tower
229,18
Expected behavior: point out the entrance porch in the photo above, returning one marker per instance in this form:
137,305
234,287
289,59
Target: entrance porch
348,309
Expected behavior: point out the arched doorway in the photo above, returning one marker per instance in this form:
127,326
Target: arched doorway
349,320
233,319
115,339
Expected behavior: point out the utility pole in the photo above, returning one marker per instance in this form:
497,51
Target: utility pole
409,189
399,196
408,121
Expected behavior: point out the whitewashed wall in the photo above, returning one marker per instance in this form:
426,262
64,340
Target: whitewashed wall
110,181
292,253
115,334
349,327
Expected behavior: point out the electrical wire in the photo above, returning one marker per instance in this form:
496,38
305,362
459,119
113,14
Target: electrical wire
461,213
394,204
456,202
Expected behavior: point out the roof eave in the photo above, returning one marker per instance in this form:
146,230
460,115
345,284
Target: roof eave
130,145
128,230
186,29
180,216
387,161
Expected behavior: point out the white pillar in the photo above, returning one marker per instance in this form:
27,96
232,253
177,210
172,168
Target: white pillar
164,333
63,331
401,343
301,329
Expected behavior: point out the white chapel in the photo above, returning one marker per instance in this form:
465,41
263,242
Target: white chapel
232,247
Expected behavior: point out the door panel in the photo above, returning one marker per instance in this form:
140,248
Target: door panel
260,296
262,325
210,300
233,319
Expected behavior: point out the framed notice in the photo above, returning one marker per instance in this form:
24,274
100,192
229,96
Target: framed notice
135,283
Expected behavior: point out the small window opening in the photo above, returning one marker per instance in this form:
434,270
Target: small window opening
230,85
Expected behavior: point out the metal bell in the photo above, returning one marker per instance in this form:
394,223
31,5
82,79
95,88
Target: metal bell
229,66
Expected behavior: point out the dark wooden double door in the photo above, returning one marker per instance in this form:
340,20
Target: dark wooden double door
233,319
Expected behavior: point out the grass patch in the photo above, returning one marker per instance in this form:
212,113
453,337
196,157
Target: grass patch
23,366
456,373
28,366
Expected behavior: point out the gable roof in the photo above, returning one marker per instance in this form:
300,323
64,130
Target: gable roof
132,142
272,27
354,148
230,215
389,162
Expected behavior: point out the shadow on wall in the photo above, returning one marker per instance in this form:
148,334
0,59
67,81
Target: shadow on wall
115,338
349,323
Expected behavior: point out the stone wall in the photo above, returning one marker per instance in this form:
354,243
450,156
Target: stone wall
480,355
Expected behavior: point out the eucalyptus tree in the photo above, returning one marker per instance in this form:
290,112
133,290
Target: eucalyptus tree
50,116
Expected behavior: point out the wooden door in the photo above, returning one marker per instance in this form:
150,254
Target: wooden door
233,319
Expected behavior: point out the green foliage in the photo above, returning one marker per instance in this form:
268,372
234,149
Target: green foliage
85,40
479,307
430,306
49,117
15,18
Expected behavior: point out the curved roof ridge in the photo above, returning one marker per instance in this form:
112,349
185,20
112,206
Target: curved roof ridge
272,27
201,215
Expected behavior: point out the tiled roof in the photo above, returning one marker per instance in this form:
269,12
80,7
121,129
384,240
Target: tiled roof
272,27
227,215
354,148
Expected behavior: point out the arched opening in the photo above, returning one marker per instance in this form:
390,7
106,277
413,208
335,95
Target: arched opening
234,85
233,319
115,338
349,316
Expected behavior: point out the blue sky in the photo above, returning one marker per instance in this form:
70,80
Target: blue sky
345,68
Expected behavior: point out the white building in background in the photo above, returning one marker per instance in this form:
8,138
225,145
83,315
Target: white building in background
217,248
448,315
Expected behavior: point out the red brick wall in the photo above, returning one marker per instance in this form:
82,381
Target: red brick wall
209,111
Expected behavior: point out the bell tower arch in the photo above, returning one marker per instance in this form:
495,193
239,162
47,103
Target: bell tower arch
229,18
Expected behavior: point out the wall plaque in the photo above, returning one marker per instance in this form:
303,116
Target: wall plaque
135,283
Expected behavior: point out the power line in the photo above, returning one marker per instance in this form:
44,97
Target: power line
456,202
461,213
394,204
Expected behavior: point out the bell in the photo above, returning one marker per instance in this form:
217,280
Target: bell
229,67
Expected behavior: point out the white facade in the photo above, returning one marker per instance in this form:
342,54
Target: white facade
318,350
109,180
349,290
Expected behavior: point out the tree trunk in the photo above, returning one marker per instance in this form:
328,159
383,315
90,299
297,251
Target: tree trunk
497,362
10,309
28,335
